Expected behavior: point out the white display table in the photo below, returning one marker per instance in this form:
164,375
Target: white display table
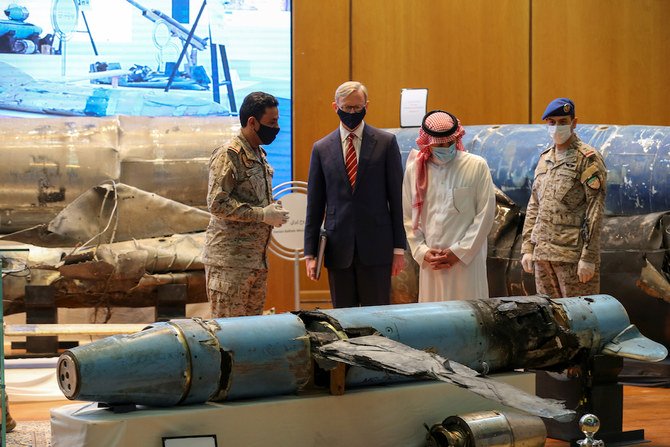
375,416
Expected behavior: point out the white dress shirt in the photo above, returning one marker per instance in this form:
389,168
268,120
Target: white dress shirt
344,134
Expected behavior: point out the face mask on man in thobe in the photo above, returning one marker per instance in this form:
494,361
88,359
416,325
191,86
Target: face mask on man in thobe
444,154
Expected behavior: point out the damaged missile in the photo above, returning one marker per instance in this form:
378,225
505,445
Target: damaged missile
194,361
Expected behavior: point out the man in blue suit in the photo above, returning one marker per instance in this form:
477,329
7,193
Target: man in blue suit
355,190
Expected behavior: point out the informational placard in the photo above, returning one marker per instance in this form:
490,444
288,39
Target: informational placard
291,235
190,441
64,16
412,106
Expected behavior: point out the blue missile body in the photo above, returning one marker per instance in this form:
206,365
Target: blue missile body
194,361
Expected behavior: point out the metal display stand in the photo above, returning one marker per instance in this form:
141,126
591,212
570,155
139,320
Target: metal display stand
88,31
3,393
596,390
216,82
288,240
64,18
187,42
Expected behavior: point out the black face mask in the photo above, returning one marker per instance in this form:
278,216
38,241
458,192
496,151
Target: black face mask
351,120
267,134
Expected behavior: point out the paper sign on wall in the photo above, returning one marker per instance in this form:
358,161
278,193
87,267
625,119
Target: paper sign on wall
412,106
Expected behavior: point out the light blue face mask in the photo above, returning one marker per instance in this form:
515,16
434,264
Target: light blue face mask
445,154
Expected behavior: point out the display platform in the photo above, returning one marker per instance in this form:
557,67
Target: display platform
32,380
380,416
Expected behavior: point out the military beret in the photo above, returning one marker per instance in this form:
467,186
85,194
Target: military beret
559,107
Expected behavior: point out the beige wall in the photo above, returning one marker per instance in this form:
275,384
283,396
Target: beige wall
472,58
612,57
486,61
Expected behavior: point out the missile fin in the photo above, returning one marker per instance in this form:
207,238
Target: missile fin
630,343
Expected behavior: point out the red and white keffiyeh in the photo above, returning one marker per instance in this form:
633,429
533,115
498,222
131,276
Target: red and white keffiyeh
439,128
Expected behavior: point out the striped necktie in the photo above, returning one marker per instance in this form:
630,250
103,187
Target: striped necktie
350,161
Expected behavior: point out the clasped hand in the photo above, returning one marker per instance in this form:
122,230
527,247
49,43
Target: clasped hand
440,259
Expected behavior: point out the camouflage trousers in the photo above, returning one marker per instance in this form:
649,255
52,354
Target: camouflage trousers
11,423
235,292
560,280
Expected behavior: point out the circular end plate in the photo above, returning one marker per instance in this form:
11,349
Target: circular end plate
67,376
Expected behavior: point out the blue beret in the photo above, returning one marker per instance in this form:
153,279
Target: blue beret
559,107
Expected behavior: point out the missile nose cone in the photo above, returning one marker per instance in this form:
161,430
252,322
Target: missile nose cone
68,376
167,364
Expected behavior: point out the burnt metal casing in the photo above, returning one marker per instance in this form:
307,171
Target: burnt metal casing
49,162
492,334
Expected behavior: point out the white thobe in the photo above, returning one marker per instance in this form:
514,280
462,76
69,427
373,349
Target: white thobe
458,213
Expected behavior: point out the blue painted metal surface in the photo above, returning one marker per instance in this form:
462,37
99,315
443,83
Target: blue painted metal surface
190,361
596,321
469,337
200,351
637,160
22,30
450,329
269,356
147,366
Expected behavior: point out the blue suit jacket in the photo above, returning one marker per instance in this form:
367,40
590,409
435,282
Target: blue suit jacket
370,216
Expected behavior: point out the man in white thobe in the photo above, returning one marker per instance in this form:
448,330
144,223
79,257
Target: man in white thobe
449,208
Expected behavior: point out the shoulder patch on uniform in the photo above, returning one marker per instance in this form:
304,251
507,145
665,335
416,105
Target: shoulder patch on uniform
587,151
235,149
588,173
594,182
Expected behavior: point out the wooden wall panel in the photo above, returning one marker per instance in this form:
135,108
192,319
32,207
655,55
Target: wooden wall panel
610,56
472,55
321,62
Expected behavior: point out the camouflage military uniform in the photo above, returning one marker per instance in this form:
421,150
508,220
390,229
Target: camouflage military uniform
564,219
11,423
235,254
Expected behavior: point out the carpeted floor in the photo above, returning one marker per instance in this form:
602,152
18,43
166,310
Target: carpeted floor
30,434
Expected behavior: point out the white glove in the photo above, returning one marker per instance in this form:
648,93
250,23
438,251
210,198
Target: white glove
585,271
275,215
527,263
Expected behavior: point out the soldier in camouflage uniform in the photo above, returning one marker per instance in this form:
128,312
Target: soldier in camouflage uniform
561,233
239,198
